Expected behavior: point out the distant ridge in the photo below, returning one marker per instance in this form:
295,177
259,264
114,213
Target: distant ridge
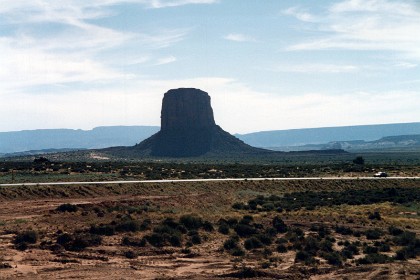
287,140
99,137
300,137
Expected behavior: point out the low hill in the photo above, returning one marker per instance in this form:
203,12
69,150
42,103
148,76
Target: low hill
284,140
99,137
300,137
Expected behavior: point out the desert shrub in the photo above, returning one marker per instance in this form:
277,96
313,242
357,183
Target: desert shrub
267,252
359,160
195,239
223,228
305,257
298,231
238,206
281,248
107,230
293,237
298,245
384,248
232,222
347,254
374,258
207,226
269,206
145,225
166,229
191,222
245,272
64,238
357,233
170,222
182,229
281,240
22,246
343,230
311,199
127,226
130,254
132,241
5,266
272,232
252,243
175,240
186,251
311,245
402,254
374,216
408,252
156,239
405,238
246,220
321,229
395,230
237,252
279,225
370,250
81,241
326,246
230,244
333,258
352,248
29,237
264,238
412,250
373,234
244,230
67,207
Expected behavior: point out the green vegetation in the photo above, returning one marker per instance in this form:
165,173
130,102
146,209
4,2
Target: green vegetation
20,170
312,199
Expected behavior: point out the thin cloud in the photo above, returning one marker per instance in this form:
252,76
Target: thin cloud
71,53
175,3
406,65
300,14
318,68
163,38
237,37
166,60
368,25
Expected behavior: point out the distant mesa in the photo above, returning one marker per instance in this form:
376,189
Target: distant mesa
188,129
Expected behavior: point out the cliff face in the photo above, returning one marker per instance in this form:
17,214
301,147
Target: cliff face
186,108
188,129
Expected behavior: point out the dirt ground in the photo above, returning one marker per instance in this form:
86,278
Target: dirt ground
29,209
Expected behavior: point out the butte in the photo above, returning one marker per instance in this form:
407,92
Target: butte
188,129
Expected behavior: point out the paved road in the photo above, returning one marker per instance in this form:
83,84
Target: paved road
205,180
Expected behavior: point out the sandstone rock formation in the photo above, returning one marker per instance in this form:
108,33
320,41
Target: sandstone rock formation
188,129
186,108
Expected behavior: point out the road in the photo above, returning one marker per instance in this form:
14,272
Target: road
205,180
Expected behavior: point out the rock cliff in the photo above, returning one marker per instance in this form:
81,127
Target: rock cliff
188,129
186,108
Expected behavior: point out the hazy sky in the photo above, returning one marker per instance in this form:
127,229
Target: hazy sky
267,64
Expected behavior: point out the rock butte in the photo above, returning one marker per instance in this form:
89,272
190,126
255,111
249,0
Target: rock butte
188,129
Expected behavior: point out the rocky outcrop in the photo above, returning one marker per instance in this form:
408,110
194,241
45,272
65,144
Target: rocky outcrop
188,129
186,108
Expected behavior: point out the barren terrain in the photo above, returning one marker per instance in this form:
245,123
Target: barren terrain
122,225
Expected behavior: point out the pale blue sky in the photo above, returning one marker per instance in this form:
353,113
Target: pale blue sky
266,64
